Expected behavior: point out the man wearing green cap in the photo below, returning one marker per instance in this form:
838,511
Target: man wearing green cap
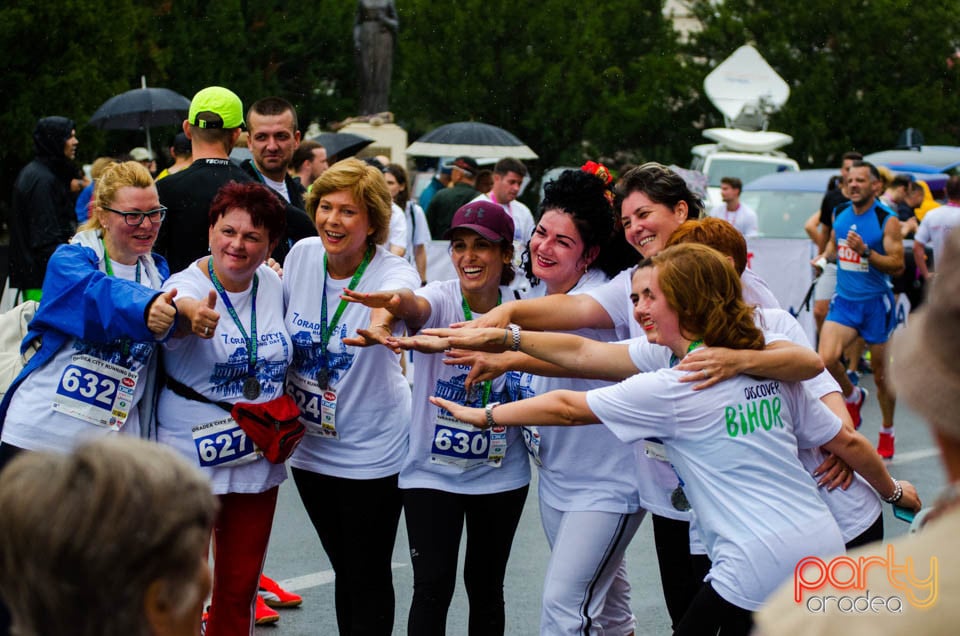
213,126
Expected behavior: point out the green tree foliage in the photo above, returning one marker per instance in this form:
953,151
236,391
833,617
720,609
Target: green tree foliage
570,79
859,72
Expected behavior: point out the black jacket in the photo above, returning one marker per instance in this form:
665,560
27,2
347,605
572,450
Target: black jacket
42,216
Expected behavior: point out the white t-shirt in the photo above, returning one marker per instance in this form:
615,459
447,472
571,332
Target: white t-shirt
217,368
429,462
280,187
373,397
32,422
734,445
936,225
398,226
744,218
584,468
856,508
756,292
418,230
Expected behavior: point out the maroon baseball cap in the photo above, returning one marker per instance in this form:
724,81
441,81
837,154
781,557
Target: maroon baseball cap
486,218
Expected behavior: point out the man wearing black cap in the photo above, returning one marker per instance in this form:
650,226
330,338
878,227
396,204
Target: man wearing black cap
43,217
446,202
213,126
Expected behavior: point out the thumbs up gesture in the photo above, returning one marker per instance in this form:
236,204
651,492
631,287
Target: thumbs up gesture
161,313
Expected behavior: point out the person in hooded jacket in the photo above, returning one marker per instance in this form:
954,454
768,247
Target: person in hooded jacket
42,217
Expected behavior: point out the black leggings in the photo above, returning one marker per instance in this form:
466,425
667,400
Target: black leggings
356,520
681,573
709,613
871,534
434,525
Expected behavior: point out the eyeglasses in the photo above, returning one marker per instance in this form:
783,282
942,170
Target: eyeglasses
136,218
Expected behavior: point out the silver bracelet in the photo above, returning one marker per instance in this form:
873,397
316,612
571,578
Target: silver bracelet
892,499
515,331
488,409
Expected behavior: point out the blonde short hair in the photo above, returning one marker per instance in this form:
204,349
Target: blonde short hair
365,184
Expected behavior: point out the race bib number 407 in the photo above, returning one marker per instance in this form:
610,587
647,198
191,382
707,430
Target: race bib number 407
96,391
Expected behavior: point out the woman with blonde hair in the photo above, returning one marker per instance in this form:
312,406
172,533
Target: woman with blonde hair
355,401
101,319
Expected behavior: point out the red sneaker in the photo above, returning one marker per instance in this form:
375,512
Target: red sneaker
263,614
854,407
276,596
885,445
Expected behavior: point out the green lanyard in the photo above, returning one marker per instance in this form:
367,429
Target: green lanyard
124,342
468,315
674,360
107,265
326,329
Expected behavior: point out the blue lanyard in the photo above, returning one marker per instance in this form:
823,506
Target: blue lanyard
251,340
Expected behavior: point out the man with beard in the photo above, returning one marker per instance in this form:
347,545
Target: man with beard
867,246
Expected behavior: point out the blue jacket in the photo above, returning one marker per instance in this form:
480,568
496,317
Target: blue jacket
80,301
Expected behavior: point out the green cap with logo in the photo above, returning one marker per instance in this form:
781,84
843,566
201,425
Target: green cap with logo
216,107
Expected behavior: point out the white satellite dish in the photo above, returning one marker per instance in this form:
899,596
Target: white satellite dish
745,84
747,140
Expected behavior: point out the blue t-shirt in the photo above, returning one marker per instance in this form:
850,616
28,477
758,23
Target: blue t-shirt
856,278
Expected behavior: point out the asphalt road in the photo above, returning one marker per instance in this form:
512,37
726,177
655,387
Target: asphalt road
298,561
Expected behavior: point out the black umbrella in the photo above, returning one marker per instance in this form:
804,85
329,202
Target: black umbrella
342,145
142,108
470,138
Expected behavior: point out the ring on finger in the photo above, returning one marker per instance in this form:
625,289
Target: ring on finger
706,374
206,331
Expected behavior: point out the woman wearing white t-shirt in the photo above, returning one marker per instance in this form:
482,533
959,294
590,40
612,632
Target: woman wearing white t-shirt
233,347
589,502
100,321
418,231
454,474
733,444
355,401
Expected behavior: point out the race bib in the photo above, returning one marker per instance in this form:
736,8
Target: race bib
223,443
96,391
531,439
463,445
850,260
655,450
318,407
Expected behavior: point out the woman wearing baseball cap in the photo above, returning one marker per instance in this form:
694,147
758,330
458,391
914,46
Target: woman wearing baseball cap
454,473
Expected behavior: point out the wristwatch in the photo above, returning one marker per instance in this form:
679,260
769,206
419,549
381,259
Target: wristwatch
866,252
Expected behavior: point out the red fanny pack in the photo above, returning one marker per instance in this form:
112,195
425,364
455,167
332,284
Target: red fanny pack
273,426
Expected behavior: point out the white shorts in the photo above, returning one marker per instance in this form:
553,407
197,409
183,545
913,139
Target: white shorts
827,283
586,590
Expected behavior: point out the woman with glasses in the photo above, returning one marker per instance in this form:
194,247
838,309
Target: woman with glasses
101,319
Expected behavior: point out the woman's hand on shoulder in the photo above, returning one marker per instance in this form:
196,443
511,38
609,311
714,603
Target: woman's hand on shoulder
709,365
275,266
161,313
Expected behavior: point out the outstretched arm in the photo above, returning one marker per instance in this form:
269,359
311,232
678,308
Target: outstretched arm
556,312
556,408
579,356
403,303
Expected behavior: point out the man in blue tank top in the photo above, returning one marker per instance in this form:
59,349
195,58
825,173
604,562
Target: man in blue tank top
867,246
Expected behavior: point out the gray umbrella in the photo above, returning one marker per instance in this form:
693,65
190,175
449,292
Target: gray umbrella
470,138
142,108
342,145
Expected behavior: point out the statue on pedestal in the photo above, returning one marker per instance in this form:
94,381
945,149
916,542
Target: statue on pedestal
374,37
